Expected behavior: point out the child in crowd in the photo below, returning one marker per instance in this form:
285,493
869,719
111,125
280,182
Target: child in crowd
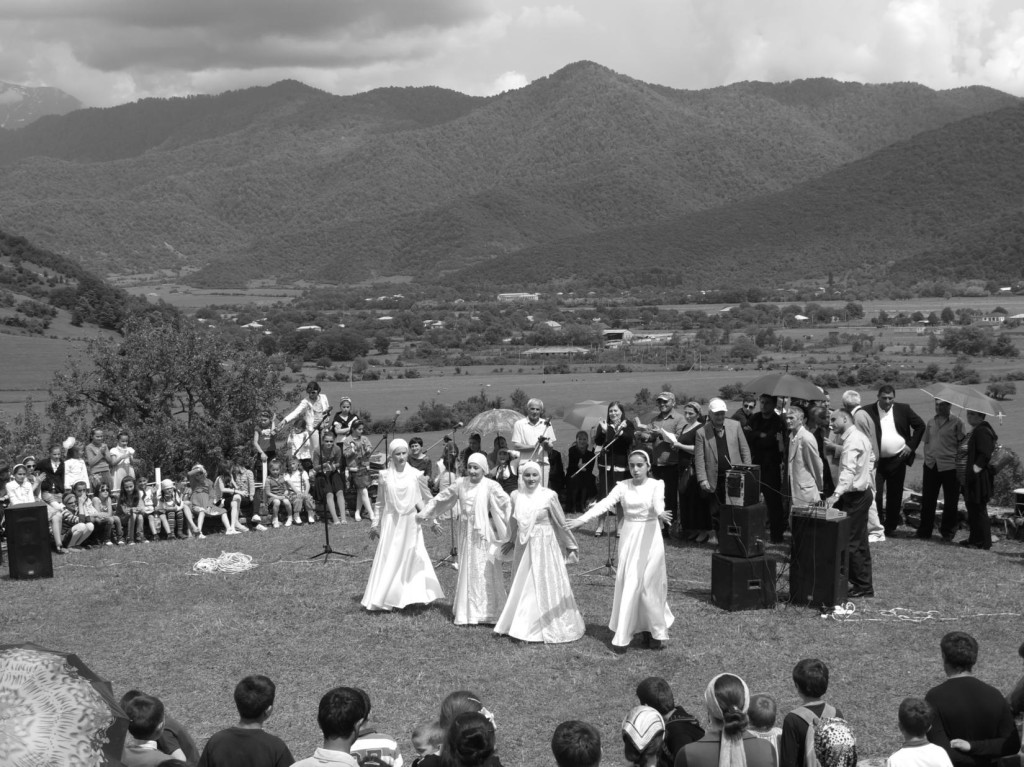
145,724
581,486
247,742
243,490
199,499
643,731
75,470
300,446
97,459
298,492
762,712
20,488
505,473
170,510
54,512
275,491
810,676
340,714
133,507
174,741
681,727
915,719
370,743
75,529
121,457
330,477
426,741
264,440
103,505
357,449
575,744
80,500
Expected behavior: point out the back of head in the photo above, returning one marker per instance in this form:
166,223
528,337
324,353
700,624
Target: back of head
834,744
254,695
762,711
851,399
656,693
576,744
341,709
643,730
915,717
458,702
727,699
145,715
469,741
959,651
810,676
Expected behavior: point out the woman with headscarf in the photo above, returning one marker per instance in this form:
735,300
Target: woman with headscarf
540,606
481,509
727,742
640,604
614,439
401,573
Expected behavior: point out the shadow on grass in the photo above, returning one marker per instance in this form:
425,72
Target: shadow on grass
443,609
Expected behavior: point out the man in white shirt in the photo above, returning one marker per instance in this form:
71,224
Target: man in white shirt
853,495
342,712
534,438
861,419
899,431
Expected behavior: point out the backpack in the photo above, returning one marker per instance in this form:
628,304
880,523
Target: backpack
810,759
683,721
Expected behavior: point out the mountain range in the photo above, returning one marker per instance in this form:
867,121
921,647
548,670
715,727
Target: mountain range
577,173
21,105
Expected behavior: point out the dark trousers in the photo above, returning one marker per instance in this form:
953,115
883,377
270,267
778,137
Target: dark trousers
889,476
774,499
856,505
933,481
580,490
981,527
670,476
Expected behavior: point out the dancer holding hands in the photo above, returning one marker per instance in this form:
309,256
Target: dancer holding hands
640,604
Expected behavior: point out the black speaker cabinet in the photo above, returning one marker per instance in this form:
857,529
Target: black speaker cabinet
741,583
819,565
742,485
741,530
28,541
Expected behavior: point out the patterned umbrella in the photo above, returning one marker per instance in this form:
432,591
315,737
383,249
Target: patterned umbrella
964,397
494,420
587,414
784,385
54,710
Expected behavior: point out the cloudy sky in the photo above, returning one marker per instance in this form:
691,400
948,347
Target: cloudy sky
111,51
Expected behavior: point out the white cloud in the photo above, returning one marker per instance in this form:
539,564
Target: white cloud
508,81
550,16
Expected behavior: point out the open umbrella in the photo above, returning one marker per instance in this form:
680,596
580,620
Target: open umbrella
784,385
55,710
965,397
587,414
496,419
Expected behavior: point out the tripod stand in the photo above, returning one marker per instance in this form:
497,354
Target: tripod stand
609,568
450,456
327,550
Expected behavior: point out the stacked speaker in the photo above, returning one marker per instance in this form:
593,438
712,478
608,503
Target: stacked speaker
742,577
819,565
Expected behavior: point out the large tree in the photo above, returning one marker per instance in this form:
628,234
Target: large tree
185,393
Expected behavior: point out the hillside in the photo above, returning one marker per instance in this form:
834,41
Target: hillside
943,205
291,182
22,105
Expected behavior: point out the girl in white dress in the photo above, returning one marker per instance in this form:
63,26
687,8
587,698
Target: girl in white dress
401,574
641,583
480,509
540,606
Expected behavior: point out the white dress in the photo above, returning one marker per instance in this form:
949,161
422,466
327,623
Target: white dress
481,513
121,465
402,573
541,606
641,583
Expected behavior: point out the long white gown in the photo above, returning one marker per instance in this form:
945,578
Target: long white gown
541,606
402,573
480,513
641,583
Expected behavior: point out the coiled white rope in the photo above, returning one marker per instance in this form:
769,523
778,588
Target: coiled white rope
234,562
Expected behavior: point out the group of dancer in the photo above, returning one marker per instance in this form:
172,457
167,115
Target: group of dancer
531,527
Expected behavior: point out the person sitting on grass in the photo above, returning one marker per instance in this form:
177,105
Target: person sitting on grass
469,742
75,530
427,740
643,732
247,743
576,744
681,727
174,741
54,513
810,676
198,499
371,744
103,508
170,510
133,507
145,724
298,492
915,719
455,704
243,490
340,715
275,490
727,743
762,713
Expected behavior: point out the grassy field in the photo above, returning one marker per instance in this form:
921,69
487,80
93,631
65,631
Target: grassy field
143,618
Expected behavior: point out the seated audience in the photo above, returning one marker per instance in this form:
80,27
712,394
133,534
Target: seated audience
341,713
247,743
576,744
174,741
145,724
681,727
762,713
427,740
915,719
469,742
810,677
727,742
643,732
372,745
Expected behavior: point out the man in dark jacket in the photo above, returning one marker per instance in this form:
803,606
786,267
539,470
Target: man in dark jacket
899,431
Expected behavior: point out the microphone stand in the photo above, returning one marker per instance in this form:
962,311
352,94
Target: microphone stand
449,458
609,568
541,441
327,551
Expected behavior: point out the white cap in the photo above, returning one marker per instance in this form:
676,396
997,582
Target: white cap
717,405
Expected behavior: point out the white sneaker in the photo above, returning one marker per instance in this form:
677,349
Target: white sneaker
358,518
200,536
231,532
876,538
287,522
261,528
276,523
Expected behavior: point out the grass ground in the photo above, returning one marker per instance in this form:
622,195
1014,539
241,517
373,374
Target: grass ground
142,617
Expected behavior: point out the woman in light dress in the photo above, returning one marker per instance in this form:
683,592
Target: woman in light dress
641,583
540,606
401,574
481,510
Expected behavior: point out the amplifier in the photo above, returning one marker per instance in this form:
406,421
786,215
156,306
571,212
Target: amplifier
819,564
741,530
742,485
818,512
741,583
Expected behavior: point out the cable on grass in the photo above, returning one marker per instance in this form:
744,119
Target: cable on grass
906,615
234,562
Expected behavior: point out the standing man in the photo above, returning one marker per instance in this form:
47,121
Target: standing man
534,438
899,431
420,460
661,438
942,436
765,433
805,468
853,495
861,419
719,444
973,721
744,411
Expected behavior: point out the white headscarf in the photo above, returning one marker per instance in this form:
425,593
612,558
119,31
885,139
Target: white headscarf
397,443
402,489
480,519
479,459
730,752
